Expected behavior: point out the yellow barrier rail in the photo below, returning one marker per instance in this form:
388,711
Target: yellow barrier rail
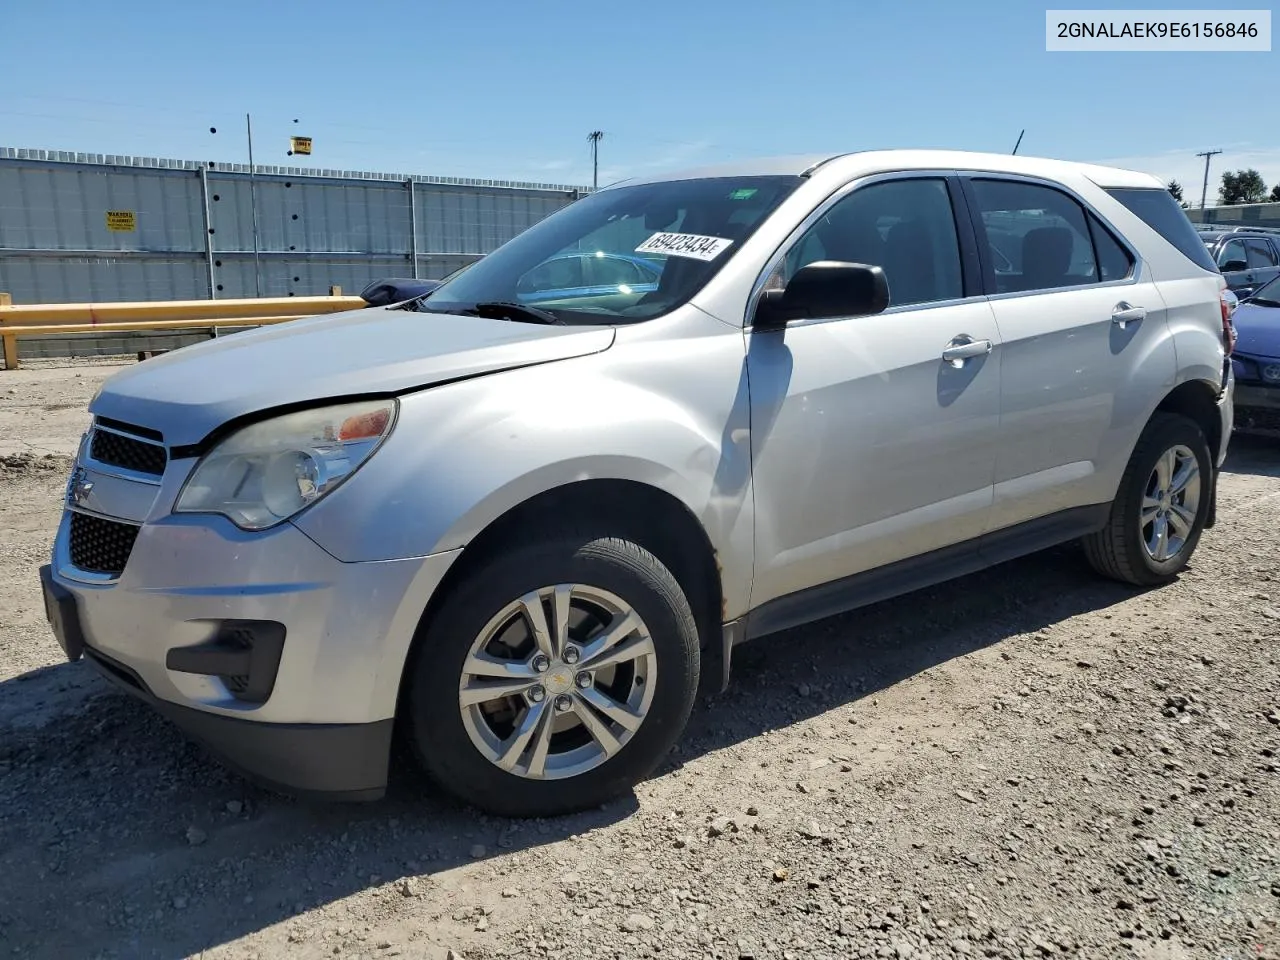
62,319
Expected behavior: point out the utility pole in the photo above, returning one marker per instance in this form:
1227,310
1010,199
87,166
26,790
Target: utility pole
1204,193
253,207
595,136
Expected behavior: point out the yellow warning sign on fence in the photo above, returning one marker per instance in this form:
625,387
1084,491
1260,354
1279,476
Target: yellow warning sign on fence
122,221
300,145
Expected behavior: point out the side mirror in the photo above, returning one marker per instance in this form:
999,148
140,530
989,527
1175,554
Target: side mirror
1233,266
383,293
823,290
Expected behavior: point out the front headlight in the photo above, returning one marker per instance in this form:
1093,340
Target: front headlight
269,471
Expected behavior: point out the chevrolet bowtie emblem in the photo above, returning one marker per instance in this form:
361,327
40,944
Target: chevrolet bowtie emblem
78,487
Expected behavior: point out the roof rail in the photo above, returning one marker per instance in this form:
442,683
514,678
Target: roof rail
1254,230
808,171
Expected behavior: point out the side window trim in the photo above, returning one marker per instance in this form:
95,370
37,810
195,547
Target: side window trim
964,238
988,271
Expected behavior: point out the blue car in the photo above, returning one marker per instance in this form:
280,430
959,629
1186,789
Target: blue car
1257,361
588,274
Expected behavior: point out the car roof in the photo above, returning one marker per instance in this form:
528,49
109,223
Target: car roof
862,163
1238,235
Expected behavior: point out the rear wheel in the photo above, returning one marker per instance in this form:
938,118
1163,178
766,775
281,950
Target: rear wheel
1161,507
557,676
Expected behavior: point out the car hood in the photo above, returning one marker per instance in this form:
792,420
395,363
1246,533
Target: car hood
192,391
1258,330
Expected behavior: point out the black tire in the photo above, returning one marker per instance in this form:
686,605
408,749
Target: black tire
1119,550
433,716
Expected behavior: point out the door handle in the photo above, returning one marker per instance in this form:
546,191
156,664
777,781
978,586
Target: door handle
963,348
1124,314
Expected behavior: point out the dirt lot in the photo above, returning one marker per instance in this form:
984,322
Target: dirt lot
1025,763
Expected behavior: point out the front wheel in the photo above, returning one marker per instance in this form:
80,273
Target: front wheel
1161,507
556,677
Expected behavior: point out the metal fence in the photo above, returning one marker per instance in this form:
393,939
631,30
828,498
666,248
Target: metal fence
1238,215
80,227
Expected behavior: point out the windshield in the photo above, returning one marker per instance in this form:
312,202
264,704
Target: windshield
1268,294
622,255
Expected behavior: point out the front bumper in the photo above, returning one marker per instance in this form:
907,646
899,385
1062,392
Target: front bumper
344,761
1257,408
1226,412
321,722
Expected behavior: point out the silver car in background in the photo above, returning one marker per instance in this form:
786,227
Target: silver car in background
525,518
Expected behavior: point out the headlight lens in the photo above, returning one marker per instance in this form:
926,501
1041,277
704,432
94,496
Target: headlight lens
269,471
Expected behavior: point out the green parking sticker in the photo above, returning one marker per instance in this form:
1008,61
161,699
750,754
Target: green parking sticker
744,193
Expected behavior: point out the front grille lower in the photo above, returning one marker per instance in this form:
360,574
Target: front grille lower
117,450
240,638
99,545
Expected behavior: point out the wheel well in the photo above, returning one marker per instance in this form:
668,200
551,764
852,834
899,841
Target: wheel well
1198,401
643,514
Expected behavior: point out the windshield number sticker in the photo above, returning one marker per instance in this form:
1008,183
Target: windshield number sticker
684,245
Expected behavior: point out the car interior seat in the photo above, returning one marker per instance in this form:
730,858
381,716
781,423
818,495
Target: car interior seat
1046,257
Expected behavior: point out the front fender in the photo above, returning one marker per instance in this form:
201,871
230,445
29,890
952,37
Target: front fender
465,453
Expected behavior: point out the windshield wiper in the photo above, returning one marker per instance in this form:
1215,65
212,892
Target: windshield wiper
504,310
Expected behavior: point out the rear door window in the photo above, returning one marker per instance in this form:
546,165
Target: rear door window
1047,229
1259,253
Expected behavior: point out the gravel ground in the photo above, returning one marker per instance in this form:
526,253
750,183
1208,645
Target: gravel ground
1028,762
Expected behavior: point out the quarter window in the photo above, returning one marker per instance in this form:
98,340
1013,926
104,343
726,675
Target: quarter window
1041,239
905,227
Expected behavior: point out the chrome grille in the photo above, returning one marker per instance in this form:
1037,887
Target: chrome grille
118,450
98,545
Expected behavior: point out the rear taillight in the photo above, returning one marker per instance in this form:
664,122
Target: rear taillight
1228,328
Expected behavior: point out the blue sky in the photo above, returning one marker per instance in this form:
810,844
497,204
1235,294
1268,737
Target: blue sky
511,89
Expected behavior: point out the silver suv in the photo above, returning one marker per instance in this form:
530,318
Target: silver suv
523,518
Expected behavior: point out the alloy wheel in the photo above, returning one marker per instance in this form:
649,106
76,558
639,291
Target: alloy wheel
558,682
1170,503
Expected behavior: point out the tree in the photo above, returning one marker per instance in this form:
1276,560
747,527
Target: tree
1275,194
1242,186
1175,188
